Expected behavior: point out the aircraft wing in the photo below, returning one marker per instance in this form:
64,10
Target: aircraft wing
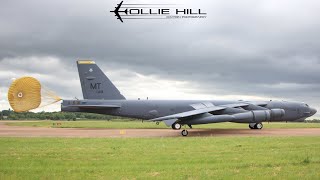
235,105
245,104
190,113
208,109
259,103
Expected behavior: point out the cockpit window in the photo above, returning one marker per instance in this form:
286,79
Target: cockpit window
307,105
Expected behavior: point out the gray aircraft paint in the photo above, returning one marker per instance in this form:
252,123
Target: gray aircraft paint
95,84
102,97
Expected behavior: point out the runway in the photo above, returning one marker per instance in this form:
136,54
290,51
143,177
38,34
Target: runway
18,131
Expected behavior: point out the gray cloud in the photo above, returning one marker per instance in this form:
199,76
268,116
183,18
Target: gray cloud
262,48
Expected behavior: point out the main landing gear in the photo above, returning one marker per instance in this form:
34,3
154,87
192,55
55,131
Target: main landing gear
255,125
176,126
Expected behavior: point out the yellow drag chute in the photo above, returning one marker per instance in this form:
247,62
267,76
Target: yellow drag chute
26,93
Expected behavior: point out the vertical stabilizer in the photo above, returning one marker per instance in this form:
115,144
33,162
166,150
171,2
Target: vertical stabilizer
95,84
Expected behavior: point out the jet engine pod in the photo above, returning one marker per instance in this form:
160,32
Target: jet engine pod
261,115
24,94
277,113
252,116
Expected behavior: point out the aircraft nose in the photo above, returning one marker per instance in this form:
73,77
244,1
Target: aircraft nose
313,111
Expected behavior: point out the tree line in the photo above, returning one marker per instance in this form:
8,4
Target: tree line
11,115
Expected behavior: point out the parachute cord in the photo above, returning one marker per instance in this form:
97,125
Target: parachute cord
48,94
44,105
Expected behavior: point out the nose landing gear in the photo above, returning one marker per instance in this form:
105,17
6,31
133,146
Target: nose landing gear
184,132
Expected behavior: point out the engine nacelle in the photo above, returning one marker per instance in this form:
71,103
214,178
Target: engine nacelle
252,116
245,117
277,113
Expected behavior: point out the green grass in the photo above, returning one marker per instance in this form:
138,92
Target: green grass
138,124
160,158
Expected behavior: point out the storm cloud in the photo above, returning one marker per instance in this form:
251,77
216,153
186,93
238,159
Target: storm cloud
265,49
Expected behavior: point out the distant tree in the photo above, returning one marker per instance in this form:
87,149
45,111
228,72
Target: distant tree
6,112
13,117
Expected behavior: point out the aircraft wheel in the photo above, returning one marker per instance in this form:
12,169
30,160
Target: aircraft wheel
176,126
258,126
252,125
184,132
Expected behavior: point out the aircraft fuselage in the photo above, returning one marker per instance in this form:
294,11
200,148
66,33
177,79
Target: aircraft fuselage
150,109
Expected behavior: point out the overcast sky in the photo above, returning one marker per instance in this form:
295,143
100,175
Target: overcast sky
244,49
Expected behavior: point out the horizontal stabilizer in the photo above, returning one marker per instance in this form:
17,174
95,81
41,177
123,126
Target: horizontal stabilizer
95,106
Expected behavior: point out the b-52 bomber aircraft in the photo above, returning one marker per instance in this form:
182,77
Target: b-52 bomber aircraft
102,97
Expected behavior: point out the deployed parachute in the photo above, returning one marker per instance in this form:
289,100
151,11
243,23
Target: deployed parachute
26,93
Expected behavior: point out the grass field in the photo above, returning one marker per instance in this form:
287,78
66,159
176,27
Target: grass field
139,124
160,158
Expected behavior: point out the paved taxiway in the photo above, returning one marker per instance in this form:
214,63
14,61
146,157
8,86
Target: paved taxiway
18,131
